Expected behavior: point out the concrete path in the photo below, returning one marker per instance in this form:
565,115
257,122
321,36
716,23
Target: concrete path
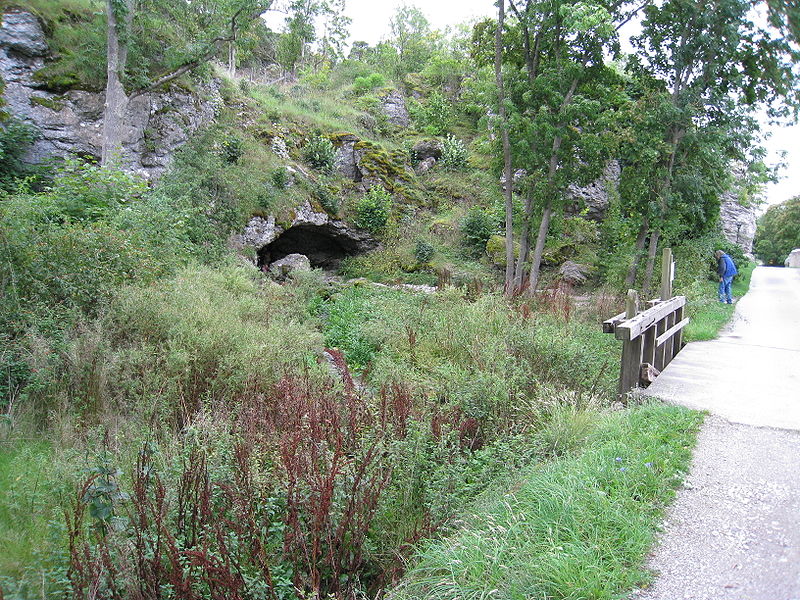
734,530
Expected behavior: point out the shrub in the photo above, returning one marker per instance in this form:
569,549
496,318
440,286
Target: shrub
15,139
326,196
280,178
454,154
362,85
423,251
320,153
435,117
231,149
372,209
476,229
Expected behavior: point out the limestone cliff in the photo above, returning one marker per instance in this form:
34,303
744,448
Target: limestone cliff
156,126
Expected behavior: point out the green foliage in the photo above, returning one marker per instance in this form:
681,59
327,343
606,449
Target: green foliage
778,232
367,83
476,229
372,209
15,139
423,251
320,153
454,154
588,520
435,116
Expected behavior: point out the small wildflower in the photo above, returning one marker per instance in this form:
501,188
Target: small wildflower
623,469
618,459
649,465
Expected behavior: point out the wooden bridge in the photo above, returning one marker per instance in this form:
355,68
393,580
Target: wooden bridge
650,338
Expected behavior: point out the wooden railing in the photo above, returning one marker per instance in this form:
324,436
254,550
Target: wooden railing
650,338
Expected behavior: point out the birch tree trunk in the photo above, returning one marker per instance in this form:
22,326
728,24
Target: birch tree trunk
509,185
116,101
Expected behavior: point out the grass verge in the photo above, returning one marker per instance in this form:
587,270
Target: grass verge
576,528
709,315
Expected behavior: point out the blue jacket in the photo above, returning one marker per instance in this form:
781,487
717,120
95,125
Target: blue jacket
725,266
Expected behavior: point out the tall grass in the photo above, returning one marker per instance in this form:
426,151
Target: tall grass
578,528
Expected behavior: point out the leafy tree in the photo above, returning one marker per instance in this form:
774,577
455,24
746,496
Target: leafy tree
716,65
778,232
412,41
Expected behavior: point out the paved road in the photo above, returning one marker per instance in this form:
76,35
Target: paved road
734,530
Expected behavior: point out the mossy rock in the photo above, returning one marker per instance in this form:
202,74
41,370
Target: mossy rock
496,250
55,80
389,167
340,137
51,103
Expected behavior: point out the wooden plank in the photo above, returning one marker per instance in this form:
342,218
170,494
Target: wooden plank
649,346
631,361
678,340
634,327
671,331
610,325
660,327
666,274
669,322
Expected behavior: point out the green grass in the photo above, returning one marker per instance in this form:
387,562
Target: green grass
576,528
708,315
30,502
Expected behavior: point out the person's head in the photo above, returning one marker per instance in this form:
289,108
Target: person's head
719,253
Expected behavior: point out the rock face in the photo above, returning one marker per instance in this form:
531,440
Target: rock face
156,126
738,222
425,166
594,198
793,260
394,107
315,235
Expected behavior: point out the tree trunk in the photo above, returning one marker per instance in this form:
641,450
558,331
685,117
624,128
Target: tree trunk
116,101
651,260
232,59
538,250
509,186
524,244
630,280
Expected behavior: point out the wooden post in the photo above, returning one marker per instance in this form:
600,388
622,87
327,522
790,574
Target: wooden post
660,328
667,273
668,353
631,350
677,340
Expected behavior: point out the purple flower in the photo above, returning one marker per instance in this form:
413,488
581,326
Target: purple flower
648,465
623,469
618,459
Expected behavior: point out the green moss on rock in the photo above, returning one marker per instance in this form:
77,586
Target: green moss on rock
51,103
388,167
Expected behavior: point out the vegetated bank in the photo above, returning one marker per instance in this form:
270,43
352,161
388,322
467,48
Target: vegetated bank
180,423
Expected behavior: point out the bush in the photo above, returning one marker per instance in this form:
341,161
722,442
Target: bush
434,117
476,229
280,178
423,252
454,154
325,193
320,153
362,85
372,209
15,139
778,232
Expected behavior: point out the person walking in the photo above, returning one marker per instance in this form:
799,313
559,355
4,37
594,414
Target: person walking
726,269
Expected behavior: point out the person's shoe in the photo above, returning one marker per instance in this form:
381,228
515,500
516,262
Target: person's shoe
730,301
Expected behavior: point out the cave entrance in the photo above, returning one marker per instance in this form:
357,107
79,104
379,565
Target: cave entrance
324,246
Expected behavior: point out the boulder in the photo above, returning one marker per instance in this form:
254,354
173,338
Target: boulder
793,260
347,158
425,166
393,106
572,273
155,126
425,149
289,264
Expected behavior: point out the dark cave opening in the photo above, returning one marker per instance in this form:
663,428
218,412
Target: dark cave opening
322,244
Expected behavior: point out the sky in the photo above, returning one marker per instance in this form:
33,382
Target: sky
370,23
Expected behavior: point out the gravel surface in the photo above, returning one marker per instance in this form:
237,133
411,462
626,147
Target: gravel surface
734,530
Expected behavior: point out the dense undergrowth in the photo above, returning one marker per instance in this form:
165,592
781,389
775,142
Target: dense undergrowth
177,424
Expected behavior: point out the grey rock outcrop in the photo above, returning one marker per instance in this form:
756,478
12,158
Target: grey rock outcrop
424,149
592,200
425,166
738,221
348,159
394,107
156,124
21,32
